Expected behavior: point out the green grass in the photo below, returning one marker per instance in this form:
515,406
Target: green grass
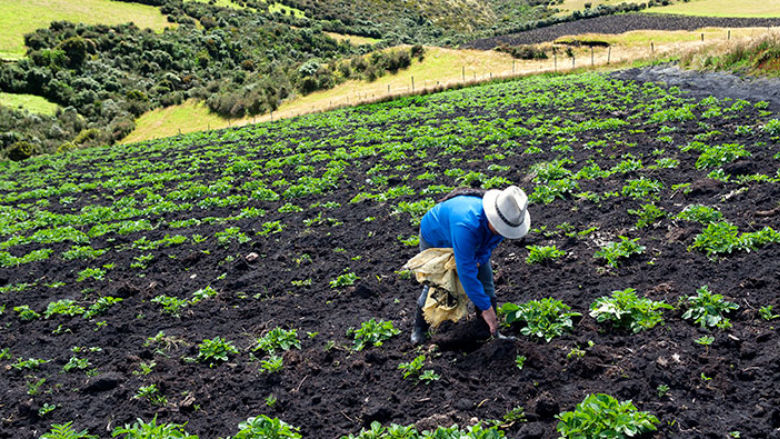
35,104
19,17
185,118
278,7
353,39
723,8
222,3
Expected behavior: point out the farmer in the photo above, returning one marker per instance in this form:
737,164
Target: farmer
473,222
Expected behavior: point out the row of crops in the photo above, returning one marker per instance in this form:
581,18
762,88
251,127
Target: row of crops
184,253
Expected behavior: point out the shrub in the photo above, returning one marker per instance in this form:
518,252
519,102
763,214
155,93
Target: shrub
625,310
546,318
21,151
603,416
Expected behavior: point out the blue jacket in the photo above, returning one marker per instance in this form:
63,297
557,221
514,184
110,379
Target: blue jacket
460,223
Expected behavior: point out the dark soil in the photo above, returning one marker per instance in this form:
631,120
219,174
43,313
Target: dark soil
702,84
616,24
329,390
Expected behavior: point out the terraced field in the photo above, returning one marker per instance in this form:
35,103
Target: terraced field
216,277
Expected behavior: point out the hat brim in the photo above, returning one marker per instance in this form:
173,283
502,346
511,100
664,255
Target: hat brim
503,229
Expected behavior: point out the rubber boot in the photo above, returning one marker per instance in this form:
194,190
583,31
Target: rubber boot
420,330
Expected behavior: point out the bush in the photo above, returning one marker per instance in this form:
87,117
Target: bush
625,310
547,318
21,151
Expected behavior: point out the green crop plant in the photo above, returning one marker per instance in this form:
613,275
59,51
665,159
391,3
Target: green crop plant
152,394
203,294
45,409
65,307
772,127
542,254
215,351
34,386
231,234
273,364
344,280
148,430
264,427
66,431
76,363
722,237
278,339
413,369
91,273
411,241
613,252
625,310
552,190
142,261
766,313
26,313
28,364
394,431
372,333
100,306
718,155
602,416
648,215
171,305
270,227
662,390
699,213
520,361
708,309
705,340
145,368
82,252
642,188
546,318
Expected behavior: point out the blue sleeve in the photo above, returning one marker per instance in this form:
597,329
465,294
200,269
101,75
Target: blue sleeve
464,245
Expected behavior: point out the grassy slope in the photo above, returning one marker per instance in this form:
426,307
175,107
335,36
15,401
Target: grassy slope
723,8
353,39
35,104
569,6
442,65
18,17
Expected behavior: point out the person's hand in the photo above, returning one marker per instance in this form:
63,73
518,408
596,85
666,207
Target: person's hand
501,336
489,315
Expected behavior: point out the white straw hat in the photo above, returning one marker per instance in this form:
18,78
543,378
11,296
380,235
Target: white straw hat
507,211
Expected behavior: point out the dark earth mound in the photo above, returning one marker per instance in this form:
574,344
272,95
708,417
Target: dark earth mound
616,24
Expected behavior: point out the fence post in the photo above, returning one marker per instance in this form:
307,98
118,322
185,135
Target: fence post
652,48
555,62
463,73
412,83
572,60
729,37
609,54
514,61
591,57
702,36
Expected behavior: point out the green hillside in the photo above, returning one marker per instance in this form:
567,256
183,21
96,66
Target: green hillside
20,17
